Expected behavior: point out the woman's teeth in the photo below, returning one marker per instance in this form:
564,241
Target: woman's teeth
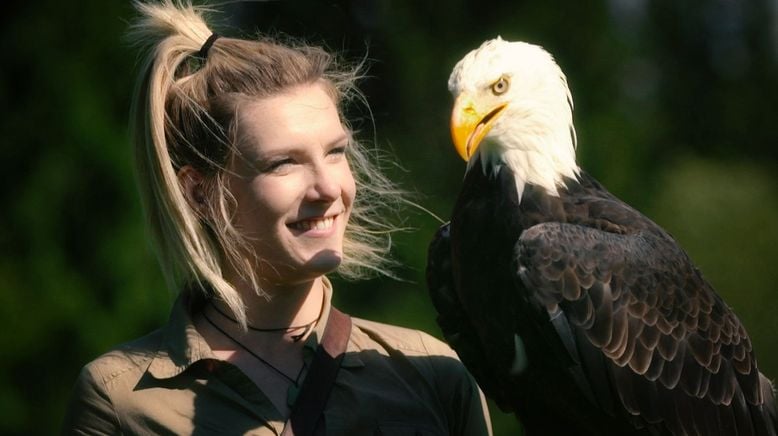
315,224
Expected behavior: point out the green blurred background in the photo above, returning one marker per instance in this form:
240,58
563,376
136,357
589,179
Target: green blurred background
675,110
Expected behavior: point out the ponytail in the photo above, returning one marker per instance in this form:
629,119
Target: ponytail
171,35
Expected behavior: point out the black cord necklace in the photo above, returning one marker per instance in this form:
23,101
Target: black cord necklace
257,356
295,338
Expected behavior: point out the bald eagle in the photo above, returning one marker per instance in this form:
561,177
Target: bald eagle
571,308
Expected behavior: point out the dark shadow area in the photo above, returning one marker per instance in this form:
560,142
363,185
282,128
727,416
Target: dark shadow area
384,395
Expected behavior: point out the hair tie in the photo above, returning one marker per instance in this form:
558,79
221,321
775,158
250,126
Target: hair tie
203,53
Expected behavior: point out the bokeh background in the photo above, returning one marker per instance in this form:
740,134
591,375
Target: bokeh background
675,111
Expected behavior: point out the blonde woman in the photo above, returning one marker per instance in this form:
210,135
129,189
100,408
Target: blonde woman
254,189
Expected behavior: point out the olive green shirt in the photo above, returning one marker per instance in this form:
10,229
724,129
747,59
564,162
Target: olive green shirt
392,381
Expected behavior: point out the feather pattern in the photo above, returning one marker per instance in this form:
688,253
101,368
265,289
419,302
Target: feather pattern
656,350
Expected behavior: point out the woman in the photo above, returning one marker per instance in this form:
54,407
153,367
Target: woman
245,170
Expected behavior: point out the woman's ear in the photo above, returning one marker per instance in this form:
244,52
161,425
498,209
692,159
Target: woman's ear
191,182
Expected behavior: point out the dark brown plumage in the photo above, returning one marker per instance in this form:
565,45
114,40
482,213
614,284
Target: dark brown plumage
620,333
570,307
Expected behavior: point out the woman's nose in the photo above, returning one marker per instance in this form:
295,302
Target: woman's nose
325,185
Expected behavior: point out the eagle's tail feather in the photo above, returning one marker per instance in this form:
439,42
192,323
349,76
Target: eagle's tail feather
769,406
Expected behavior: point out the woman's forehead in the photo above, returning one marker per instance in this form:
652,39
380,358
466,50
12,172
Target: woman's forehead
303,114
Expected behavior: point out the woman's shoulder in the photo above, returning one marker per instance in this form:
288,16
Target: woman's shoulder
105,383
404,339
128,359
396,347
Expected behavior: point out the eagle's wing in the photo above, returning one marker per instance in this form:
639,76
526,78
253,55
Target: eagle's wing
642,314
452,319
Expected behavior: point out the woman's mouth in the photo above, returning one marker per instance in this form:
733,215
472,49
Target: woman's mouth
319,224
314,224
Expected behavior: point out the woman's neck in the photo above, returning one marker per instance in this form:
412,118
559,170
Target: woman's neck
272,360
285,305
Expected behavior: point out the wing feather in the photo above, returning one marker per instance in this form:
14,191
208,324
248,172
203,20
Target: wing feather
665,335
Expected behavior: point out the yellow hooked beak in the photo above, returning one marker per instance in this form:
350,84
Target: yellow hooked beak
469,126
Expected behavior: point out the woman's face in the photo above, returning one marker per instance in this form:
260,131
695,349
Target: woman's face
292,184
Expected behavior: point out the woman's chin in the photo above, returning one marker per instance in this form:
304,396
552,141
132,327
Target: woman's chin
324,261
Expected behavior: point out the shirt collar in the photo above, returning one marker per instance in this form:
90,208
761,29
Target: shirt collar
182,345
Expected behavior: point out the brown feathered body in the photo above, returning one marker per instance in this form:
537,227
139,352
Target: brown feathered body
583,316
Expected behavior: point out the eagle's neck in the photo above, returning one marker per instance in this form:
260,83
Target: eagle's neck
545,161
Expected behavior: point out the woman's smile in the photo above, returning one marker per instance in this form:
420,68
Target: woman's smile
315,226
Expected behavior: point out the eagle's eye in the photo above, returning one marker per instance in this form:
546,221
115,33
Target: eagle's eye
501,86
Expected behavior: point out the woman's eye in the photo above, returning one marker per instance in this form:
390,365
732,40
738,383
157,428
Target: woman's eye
336,154
276,165
337,150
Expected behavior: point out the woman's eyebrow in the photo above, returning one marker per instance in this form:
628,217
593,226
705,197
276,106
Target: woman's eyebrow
343,138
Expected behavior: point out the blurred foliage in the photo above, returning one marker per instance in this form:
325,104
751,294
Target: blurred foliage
674,110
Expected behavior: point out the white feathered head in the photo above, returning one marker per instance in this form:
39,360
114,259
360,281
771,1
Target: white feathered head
513,107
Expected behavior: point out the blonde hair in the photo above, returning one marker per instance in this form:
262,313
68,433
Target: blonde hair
184,113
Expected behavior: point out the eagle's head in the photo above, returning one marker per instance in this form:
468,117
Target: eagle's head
513,107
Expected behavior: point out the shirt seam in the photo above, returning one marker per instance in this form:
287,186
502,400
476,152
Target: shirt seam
105,381
114,375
